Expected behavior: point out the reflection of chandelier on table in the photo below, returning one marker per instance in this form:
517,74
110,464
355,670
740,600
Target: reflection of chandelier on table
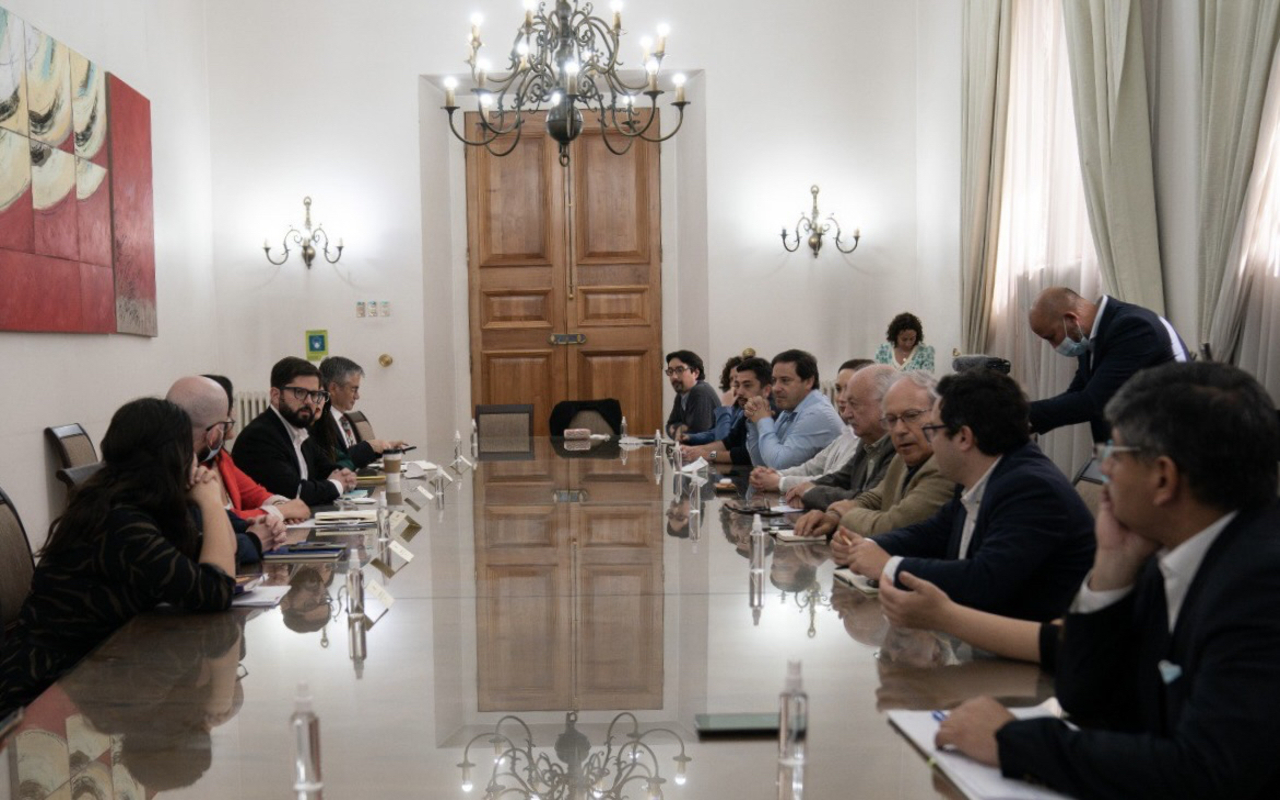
562,59
582,775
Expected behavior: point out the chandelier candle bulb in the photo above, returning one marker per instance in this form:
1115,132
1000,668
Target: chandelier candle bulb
450,99
663,32
679,81
645,43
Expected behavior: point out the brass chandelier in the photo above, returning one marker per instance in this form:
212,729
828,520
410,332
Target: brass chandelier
564,58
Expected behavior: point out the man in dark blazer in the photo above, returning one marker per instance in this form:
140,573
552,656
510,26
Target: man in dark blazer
336,435
1110,341
276,448
1017,539
1170,659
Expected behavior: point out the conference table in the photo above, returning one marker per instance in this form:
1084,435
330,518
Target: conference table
551,624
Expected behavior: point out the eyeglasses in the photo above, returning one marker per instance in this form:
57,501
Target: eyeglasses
1103,451
303,394
226,425
928,430
674,371
908,417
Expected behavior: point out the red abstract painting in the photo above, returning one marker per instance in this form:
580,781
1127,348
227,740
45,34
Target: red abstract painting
132,216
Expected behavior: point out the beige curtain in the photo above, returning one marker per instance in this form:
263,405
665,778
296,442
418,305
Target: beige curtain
1238,45
1248,309
1108,79
1044,237
984,113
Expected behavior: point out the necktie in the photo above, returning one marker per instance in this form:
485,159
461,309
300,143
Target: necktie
347,433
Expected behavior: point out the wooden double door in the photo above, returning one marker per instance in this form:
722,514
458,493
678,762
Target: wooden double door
565,271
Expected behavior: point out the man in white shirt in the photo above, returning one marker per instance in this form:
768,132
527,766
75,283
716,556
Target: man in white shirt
1170,657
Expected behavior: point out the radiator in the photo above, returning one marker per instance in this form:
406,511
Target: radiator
249,405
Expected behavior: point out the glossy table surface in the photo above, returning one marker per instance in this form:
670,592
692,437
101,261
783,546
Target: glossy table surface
560,582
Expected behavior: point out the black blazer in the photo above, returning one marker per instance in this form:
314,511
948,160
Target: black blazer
1130,338
1031,547
334,445
264,451
1209,725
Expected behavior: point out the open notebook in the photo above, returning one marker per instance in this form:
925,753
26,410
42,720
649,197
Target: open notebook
976,781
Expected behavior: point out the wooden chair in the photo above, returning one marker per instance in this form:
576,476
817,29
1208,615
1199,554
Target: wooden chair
1088,482
361,423
72,444
16,563
504,431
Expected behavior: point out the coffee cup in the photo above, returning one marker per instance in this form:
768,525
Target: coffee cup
391,463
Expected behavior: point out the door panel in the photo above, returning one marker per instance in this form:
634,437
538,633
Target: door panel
545,261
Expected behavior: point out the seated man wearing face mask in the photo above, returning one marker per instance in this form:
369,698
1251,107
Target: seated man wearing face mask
260,528
1110,340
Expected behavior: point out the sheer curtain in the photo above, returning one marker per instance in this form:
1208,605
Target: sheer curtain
1252,281
1044,238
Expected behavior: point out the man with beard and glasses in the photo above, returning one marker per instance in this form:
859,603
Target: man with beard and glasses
276,448
255,511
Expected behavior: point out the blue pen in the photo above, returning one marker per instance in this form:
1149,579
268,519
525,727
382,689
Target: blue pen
939,716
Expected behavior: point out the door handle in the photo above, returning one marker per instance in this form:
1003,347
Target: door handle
567,338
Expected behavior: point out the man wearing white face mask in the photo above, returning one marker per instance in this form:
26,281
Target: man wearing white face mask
1110,340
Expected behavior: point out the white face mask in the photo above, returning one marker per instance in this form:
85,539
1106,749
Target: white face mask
1070,347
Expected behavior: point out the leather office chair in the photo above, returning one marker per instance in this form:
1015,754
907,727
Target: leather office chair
504,431
1088,483
600,416
361,423
17,565
72,444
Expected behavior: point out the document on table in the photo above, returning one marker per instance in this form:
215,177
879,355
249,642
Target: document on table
261,597
695,466
976,781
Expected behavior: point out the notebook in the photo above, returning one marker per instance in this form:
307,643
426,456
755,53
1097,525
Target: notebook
859,582
306,551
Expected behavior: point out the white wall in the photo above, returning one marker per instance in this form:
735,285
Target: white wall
158,48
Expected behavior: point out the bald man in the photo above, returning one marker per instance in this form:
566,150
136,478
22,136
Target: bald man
255,512
1110,341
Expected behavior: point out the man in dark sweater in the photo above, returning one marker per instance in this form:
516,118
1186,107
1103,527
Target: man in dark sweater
696,401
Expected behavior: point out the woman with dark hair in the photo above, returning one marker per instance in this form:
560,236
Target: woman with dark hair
905,348
126,543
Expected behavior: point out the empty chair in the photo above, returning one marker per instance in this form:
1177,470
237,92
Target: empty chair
599,416
504,430
72,444
361,423
1088,483
16,563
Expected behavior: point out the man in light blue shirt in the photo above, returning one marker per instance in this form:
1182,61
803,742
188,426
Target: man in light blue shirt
806,421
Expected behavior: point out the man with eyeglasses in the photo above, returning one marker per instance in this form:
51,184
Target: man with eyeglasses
339,439
911,488
806,422
694,410
276,448
206,404
1170,657
1018,539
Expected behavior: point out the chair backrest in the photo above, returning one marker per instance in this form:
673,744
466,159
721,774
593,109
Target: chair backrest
605,416
74,476
361,423
72,444
1089,481
16,562
504,429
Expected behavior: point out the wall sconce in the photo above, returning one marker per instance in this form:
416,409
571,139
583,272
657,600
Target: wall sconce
305,239
816,231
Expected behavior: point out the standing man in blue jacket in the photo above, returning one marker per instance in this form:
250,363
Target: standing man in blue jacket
1110,341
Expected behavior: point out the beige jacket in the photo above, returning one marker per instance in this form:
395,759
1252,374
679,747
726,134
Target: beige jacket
890,505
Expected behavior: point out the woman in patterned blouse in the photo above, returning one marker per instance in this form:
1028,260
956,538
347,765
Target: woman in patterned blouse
905,348
126,543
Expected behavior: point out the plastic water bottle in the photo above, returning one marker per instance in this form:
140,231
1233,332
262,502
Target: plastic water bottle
306,738
384,519
793,718
757,545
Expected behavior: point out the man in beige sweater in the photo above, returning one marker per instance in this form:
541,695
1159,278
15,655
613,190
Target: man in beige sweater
912,489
